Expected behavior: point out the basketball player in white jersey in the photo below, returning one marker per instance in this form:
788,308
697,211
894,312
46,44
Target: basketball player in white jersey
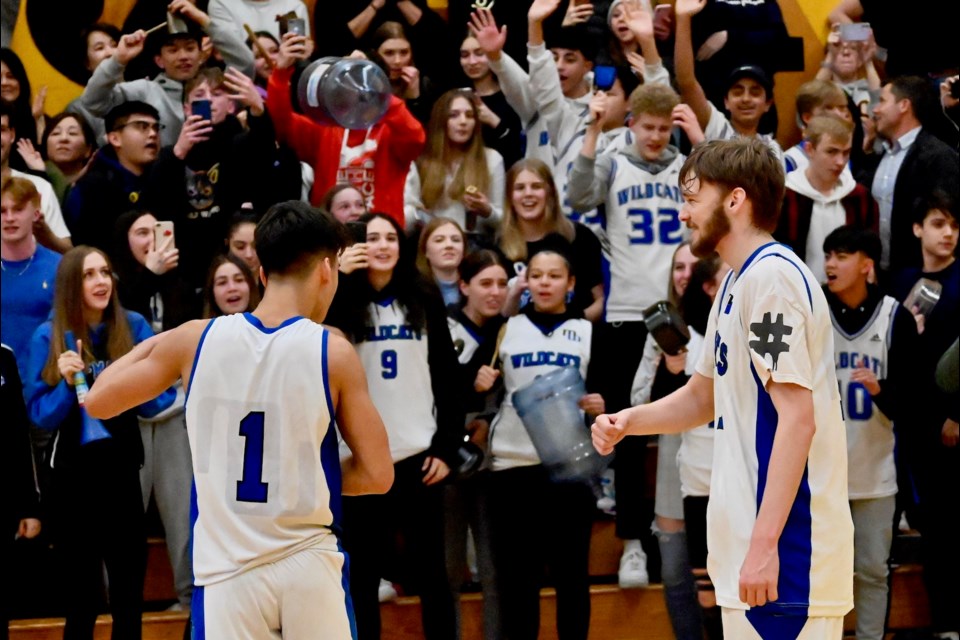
263,390
780,535
874,339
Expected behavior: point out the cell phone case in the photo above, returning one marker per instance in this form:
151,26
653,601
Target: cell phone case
667,327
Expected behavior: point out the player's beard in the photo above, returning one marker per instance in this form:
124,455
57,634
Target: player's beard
707,237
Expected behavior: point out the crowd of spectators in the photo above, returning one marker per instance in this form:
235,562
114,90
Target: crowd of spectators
518,199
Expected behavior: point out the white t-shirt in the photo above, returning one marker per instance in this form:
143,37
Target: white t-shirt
771,324
719,128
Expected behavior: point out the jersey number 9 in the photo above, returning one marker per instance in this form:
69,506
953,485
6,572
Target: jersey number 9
388,360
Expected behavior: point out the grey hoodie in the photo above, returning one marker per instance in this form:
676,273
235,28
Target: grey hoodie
106,88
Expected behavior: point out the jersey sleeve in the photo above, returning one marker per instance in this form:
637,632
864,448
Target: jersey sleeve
775,313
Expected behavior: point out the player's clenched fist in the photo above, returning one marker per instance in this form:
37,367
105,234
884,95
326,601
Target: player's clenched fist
607,431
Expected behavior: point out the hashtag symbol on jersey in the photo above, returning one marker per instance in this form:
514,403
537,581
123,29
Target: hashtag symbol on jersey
770,337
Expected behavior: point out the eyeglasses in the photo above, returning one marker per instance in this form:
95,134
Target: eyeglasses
142,126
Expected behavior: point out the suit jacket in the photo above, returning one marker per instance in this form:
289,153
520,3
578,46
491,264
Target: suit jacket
929,164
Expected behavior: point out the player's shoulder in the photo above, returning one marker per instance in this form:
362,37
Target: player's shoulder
775,270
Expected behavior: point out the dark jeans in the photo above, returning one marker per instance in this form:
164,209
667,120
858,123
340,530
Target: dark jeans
537,524
371,526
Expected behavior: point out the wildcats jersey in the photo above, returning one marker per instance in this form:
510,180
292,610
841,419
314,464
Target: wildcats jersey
771,323
870,437
527,353
394,357
265,464
642,227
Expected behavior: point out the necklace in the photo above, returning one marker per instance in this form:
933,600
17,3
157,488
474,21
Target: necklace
3,265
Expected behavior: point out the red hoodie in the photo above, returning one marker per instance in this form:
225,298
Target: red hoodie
380,173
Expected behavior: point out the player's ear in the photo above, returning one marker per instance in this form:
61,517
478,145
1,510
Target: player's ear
917,229
263,276
735,198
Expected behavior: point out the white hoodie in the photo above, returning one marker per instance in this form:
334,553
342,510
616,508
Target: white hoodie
828,214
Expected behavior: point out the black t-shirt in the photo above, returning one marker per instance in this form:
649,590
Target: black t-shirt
586,259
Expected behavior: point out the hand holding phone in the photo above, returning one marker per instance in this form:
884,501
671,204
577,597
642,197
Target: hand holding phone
163,238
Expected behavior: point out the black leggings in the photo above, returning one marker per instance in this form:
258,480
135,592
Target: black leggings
537,524
100,521
371,525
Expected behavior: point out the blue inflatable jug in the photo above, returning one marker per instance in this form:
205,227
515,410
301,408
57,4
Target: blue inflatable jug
549,411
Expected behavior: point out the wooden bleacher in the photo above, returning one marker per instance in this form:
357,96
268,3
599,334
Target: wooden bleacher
638,614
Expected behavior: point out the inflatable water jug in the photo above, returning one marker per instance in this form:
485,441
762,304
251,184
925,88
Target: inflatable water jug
344,92
549,411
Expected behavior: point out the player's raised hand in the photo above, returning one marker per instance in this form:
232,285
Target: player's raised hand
292,48
689,8
607,431
243,90
490,39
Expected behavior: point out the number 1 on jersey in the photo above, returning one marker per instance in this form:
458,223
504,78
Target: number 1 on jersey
251,487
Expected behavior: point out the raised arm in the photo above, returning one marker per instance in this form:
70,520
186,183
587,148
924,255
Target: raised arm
589,178
106,88
690,90
370,468
227,40
514,81
151,368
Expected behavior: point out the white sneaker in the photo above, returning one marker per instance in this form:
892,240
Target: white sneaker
633,569
387,592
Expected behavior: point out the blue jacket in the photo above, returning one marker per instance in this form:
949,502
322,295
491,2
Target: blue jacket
56,408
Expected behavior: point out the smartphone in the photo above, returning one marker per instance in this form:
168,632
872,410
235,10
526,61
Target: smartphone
604,76
163,230
201,108
296,26
358,231
856,32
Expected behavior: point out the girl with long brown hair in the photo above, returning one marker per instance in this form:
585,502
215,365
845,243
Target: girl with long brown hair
532,214
97,509
456,177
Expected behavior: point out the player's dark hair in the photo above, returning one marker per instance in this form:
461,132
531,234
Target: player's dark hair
476,261
120,114
936,200
852,239
558,245
747,163
292,235
241,217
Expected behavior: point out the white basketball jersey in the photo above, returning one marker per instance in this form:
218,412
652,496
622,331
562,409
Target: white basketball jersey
641,221
695,457
719,128
771,323
265,464
870,438
527,353
394,357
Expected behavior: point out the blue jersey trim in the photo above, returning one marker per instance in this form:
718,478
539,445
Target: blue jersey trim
196,360
754,255
329,447
795,546
605,275
386,302
198,632
775,627
347,598
255,321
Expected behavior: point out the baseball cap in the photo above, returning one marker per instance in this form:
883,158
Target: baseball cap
754,72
